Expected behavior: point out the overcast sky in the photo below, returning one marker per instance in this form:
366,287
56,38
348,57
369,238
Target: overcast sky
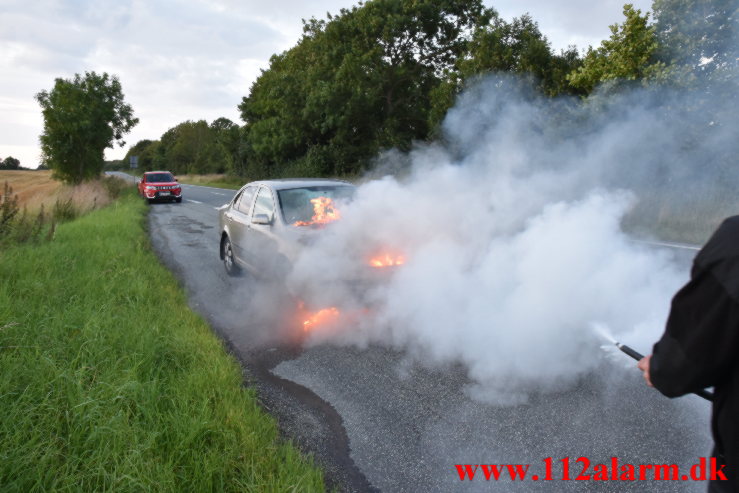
190,60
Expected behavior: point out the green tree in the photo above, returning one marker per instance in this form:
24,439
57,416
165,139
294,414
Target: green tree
275,131
142,149
699,38
228,138
500,47
517,47
82,117
630,54
10,163
355,83
192,147
700,34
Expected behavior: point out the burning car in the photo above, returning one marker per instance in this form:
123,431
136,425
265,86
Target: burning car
266,224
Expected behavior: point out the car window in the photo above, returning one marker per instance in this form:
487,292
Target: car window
299,204
264,203
244,202
236,198
159,178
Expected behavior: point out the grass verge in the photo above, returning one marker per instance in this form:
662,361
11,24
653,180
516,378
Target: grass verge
112,384
217,181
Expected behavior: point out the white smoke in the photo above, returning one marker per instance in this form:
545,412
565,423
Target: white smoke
513,238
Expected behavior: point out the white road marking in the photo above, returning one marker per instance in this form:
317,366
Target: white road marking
671,245
212,188
217,193
194,201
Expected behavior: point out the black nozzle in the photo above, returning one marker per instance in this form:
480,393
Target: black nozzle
626,349
637,356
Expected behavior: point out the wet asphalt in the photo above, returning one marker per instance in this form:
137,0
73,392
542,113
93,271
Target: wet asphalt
379,423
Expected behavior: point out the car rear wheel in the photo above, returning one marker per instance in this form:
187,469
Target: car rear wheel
229,262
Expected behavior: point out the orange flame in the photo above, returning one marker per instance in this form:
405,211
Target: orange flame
326,316
387,260
324,212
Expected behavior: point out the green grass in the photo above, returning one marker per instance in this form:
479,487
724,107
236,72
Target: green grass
110,383
214,180
221,184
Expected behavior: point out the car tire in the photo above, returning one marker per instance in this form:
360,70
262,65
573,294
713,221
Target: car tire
178,199
151,201
227,253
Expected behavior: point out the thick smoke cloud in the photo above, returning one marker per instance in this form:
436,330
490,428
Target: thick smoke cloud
513,233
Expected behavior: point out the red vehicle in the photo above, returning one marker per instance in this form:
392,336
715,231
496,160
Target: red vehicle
160,185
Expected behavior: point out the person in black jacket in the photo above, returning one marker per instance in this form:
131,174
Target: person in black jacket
700,346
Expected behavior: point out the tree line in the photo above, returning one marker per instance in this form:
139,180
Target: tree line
191,147
11,163
383,74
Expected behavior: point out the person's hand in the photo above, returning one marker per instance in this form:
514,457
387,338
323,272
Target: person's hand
643,365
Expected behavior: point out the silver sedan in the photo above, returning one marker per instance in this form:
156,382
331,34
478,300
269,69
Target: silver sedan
267,222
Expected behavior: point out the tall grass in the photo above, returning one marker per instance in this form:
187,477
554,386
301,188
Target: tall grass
18,225
110,383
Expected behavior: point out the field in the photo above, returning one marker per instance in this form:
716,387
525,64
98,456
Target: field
113,384
37,188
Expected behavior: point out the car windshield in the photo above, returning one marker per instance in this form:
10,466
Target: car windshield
311,206
159,178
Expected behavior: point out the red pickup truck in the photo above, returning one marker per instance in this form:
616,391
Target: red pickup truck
160,185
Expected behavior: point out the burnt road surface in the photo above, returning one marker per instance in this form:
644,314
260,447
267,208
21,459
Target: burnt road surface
378,423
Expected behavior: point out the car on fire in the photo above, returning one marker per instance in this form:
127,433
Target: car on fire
267,222
160,185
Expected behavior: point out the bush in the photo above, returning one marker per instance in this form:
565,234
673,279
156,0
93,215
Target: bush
114,186
17,226
8,210
65,210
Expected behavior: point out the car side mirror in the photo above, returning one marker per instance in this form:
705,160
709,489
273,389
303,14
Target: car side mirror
261,219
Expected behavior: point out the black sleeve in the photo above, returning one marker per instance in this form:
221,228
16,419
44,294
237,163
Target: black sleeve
699,345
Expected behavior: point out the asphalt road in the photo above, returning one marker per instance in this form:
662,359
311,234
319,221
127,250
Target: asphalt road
377,423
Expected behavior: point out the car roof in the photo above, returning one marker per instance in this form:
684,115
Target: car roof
299,183
150,172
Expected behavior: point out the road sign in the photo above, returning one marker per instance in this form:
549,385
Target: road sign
134,162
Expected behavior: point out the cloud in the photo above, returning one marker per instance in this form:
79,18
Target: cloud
180,60
176,60
580,22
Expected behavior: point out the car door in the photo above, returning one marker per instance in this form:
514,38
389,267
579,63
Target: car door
142,184
238,217
261,239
